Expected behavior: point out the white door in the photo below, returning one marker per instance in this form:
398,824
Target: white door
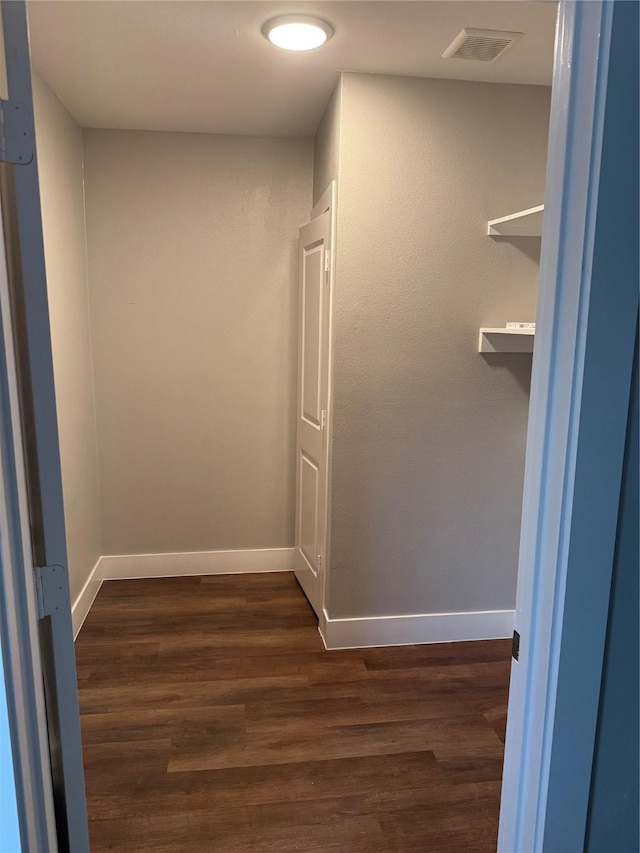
313,392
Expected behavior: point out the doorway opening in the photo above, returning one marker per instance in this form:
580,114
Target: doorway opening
195,341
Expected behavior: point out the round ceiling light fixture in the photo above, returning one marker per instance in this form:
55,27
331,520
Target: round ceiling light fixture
297,32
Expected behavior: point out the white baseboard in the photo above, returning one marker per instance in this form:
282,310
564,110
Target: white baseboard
336,633
87,595
124,566
415,630
131,566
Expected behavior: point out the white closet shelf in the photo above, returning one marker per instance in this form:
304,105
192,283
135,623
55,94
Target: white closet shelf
524,223
506,340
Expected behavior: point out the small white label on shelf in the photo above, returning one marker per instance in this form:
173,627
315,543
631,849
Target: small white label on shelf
521,326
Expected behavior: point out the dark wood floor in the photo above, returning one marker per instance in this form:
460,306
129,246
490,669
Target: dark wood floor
213,719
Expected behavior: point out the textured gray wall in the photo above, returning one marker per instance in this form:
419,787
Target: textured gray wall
59,141
193,275
326,146
429,436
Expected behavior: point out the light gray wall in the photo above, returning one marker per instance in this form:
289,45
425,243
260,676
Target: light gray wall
326,148
429,436
59,143
193,275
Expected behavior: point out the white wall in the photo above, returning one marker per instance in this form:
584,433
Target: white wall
193,277
429,436
59,146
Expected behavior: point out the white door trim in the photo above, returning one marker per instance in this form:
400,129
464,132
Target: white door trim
328,202
568,402
26,275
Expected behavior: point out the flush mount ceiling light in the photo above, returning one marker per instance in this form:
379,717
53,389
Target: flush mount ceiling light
297,32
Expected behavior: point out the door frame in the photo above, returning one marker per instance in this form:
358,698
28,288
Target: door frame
34,581
551,488
576,437
328,203
18,616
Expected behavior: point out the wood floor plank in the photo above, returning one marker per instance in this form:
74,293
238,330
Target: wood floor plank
437,654
266,746
213,719
376,775
217,724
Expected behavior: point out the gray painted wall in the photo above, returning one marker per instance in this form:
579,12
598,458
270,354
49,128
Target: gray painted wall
429,436
59,142
192,243
326,145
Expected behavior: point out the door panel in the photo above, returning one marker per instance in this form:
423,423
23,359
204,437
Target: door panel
312,268
309,482
313,390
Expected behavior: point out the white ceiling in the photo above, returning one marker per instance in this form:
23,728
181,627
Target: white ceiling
205,66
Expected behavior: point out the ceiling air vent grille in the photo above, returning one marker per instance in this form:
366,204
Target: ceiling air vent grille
481,45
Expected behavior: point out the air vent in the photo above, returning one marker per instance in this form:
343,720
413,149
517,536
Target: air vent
481,45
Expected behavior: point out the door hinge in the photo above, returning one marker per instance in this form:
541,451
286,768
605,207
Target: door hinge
515,646
327,264
323,419
319,564
16,133
52,587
